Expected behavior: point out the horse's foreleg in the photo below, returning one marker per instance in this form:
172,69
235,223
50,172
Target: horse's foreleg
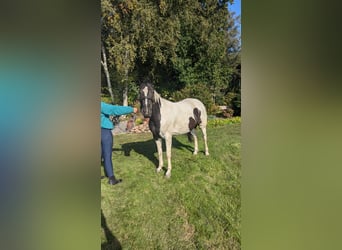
168,142
160,153
204,131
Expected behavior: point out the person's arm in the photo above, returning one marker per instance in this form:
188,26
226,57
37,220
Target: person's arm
116,110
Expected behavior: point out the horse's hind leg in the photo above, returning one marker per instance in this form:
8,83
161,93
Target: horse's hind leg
204,131
195,141
160,153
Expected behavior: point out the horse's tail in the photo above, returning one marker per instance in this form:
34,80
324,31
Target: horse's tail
190,137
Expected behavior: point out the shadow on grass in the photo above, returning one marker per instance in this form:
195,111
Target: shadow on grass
112,242
149,148
177,144
117,150
145,148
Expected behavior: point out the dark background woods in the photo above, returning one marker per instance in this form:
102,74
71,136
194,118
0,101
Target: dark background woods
186,48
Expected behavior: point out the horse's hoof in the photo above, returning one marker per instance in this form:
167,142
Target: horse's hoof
206,153
158,170
168,175
195,153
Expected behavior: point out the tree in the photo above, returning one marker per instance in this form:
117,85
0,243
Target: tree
106,71
202,49
119,39
232,92
158,29
177,44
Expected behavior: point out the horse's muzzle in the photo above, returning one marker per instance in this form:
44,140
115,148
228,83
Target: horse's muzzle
147,115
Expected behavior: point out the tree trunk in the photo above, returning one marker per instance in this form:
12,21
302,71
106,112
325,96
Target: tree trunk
125,90
125,94
105,68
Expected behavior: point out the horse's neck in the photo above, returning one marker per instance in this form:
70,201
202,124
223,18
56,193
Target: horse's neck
159,99
157,96
157,104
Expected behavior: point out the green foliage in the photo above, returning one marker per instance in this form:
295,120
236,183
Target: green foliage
199,91
117,34
233,101
106,99
178,44
139,121
202,47
216,111
219,122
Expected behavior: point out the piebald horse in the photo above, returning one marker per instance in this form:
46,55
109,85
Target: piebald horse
168,118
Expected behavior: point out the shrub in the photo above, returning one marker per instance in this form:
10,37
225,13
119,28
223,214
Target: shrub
214,110
233,101
218,122
139,121
106,99
199,91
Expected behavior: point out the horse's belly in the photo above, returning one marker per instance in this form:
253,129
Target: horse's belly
174,129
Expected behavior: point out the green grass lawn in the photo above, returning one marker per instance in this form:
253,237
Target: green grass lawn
197,208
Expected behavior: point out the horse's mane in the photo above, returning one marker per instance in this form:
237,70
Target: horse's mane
157,97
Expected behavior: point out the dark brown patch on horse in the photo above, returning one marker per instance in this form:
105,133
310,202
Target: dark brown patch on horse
151,110
192,123
154,121
196,120
197,114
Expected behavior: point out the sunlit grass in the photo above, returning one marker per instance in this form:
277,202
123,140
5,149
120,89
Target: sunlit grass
197,208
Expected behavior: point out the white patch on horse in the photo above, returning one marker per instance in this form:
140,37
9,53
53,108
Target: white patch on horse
145,90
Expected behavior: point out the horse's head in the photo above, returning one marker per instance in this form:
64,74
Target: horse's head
146,99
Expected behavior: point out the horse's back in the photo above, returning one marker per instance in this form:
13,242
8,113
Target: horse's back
179,117
194,103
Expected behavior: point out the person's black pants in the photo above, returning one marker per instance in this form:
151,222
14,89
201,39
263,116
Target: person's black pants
106,150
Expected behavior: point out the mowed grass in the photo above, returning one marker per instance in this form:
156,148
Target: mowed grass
199,207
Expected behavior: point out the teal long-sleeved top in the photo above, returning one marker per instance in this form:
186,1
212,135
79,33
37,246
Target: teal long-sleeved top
108,109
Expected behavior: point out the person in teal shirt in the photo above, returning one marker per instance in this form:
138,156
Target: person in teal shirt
108,110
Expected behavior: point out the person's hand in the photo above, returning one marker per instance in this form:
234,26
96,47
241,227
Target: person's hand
135,110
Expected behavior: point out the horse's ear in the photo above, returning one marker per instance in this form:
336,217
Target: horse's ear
146,82
139,83
142,83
